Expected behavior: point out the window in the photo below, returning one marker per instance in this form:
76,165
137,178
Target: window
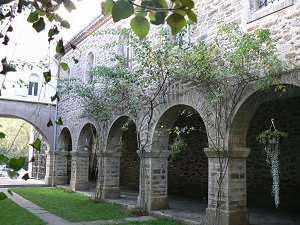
262,8
124,50
33,85
90,64
264,3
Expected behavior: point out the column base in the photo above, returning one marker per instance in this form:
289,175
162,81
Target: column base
113,192
226,217
49,181
77,186
156,203
61,180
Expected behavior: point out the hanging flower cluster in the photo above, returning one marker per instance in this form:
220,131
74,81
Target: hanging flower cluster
270,139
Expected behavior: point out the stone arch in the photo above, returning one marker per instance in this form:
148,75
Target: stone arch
187,172
115,132
35,114
254,115
64,148
248,105
122,141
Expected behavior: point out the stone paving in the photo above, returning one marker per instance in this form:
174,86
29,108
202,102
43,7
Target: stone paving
187,210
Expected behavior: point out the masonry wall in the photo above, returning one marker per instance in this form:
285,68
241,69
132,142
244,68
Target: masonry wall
286,113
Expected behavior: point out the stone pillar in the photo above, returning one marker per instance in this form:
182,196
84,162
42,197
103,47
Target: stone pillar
61,162
227,202
80,171
49,177
153,194
110,175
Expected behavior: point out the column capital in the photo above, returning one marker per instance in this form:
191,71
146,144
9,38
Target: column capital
155,153
235,152
80,154
112,154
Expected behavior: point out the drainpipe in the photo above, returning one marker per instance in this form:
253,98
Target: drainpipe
55,127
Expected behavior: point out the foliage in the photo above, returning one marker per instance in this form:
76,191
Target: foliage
266,137
156,10
78,206
269,139
121,148
12,213
14,145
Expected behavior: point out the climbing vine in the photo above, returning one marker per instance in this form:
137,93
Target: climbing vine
221,69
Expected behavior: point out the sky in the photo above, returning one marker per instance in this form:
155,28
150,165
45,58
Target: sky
28,45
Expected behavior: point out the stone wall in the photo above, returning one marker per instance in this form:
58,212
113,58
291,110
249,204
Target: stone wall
286,113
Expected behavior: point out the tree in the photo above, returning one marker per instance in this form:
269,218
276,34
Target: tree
16,142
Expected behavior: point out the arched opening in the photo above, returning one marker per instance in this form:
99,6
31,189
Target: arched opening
188,176
88,144
65,145
19,134
130,161
284,109
188,165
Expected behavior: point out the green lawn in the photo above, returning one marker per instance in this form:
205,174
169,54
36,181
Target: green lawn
12,214
73,207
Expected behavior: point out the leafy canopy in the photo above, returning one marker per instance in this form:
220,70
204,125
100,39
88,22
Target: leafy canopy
148,12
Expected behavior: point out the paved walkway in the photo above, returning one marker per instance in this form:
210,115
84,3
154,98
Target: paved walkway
188,210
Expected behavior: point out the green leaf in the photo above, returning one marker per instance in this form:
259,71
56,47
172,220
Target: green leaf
176,22
26,176
140,25
160,3
181,12
47,76
65,24
39,25
57,17
64,66
191,15
59,121
107,7
6,67
16,164
121,10
188,4
36,144
69,5
60,49
3,159
54,97
2,196
13,174
9,192
2,135
159,18
50,124
33,17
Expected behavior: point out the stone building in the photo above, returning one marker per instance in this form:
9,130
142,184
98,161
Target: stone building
82,142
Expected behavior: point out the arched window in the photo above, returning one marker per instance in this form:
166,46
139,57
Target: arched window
124,50
33,85
90,64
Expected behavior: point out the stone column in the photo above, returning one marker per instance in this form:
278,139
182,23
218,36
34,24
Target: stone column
227,202
153,194
61,162
80,171
49,177
110,175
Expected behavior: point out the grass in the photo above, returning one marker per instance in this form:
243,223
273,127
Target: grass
73,207
12,213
